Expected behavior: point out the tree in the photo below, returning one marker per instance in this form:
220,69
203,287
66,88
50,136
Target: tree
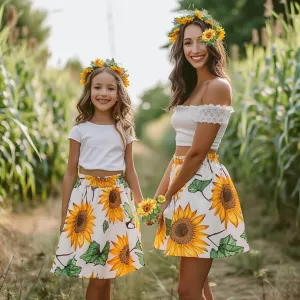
238,17
154,101
29,22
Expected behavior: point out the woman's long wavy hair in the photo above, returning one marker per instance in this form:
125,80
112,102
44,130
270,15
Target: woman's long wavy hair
184,76
121,112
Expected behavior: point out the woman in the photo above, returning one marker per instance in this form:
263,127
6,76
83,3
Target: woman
201,218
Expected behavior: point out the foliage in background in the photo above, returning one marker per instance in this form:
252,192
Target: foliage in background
153,104
264,133
27,23
34,113
238,17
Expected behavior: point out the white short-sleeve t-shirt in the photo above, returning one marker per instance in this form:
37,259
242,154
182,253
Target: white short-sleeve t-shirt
101,146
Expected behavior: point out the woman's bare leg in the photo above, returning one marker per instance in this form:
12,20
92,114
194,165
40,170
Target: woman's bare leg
99,289
192,276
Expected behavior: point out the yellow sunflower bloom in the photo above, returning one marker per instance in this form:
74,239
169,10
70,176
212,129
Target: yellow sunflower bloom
198,14
101,182
118,70
209,22
185,20
99,62
173,35
208,35
125,80
146,207
111,200
226,201
82,81
221,32
187,234
161,199
122,260
160,235
213,157
80,224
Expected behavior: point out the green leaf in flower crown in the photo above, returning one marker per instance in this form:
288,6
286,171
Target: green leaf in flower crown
128,210
141,258
227,247
198,185
93,254
244,236
168,226
105,226
70,269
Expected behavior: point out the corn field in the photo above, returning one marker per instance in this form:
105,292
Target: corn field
34,114
262,143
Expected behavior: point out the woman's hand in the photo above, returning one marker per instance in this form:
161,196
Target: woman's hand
160,217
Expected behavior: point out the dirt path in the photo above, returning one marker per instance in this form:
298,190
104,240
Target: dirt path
31,236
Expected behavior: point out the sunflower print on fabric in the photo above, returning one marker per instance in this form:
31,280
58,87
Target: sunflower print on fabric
101,235
204,219
79,224
111,201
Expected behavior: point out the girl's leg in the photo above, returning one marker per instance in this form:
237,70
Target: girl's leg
192,276
98,289
207,291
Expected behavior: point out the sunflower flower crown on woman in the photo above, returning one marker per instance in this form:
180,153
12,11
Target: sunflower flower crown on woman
100,63
215,33
149,209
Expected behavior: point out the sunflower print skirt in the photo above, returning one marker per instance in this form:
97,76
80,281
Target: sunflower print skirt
204,218
101,235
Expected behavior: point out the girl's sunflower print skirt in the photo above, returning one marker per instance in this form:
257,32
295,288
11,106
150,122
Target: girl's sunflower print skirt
101,235
204,218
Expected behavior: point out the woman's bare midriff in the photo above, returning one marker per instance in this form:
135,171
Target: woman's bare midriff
98,173
182,150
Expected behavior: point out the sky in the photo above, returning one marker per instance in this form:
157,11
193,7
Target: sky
139,28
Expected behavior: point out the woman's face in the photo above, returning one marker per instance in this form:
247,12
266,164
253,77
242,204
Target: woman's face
195,51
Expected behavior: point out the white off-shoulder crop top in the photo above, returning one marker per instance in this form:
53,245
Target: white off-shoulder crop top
186,118
101,146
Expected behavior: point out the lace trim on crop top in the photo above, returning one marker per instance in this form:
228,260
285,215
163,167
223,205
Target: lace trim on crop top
210,113
186,117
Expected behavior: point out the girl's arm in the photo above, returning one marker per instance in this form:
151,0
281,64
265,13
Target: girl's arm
164,183
218,93
70,178
131,176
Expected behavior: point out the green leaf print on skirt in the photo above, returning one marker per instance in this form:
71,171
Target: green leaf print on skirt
141,258
168,226
227,247
70,269
198,185
105,226
93,254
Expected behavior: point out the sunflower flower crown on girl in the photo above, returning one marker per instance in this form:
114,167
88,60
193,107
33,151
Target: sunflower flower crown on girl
149,209
214,33
100,63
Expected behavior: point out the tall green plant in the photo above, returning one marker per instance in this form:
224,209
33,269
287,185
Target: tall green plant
264,134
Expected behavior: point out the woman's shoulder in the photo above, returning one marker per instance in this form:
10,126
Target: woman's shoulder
219,92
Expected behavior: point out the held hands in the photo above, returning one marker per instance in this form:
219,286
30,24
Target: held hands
149,209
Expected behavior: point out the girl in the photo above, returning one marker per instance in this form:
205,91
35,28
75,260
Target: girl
100,236
201,218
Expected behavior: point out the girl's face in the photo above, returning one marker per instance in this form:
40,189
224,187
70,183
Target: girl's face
195,51
104,91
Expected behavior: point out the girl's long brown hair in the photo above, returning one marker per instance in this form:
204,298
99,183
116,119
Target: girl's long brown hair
184,76
122,110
